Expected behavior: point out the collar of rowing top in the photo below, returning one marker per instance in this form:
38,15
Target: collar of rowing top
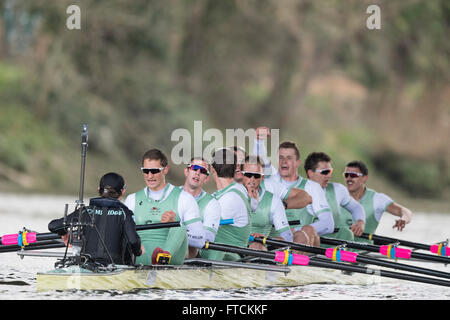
104,202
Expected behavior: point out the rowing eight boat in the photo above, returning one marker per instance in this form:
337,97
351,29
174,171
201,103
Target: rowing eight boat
191,276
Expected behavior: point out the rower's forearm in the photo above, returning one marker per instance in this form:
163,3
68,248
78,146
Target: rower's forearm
400,211
259,149
298,199
406,214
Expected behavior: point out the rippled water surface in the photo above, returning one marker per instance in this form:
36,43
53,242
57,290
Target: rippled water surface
17,276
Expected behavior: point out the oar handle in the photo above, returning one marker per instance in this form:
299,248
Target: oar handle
289,258
23,238
338,254
440,249
392,251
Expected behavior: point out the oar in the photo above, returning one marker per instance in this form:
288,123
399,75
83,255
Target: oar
339,254
45,244
236,264
287,257
390,251
440,249
27,238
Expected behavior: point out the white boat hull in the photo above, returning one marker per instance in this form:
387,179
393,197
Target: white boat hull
192,277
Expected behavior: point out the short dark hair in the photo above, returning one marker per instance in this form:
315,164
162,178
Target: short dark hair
155,154
224,162
254,160
313,159
111,185
238,148
290,145
359,164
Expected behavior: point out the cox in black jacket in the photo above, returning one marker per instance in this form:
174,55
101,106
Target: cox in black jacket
113,222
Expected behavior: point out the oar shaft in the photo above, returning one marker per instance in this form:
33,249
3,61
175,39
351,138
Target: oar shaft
430,257
160,225
354,257
18,240
239,250
439,249
373,248
318,262
387,240
284,257
403,267
33,246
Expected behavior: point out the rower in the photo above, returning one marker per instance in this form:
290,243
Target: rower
318,168
316,218
108,225
270,211
292,198
375,204
160,201
197,175
235,204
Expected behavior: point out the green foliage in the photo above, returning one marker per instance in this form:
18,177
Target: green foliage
138,70
418,176
21,137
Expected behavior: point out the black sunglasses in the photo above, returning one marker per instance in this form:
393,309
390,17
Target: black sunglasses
196,167
249,174
324,171
152,170
352,174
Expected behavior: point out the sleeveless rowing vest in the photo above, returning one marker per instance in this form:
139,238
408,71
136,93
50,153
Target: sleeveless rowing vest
261,217
149,211
229,234
302,215
371,223
203,201
344,232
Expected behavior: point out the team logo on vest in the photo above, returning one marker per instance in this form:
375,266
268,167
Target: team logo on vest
155,210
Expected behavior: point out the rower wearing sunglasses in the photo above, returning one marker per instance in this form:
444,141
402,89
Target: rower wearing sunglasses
197,175
316,218
318,168
375,204
158,202
270,211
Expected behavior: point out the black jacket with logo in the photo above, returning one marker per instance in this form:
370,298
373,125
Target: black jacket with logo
110,220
